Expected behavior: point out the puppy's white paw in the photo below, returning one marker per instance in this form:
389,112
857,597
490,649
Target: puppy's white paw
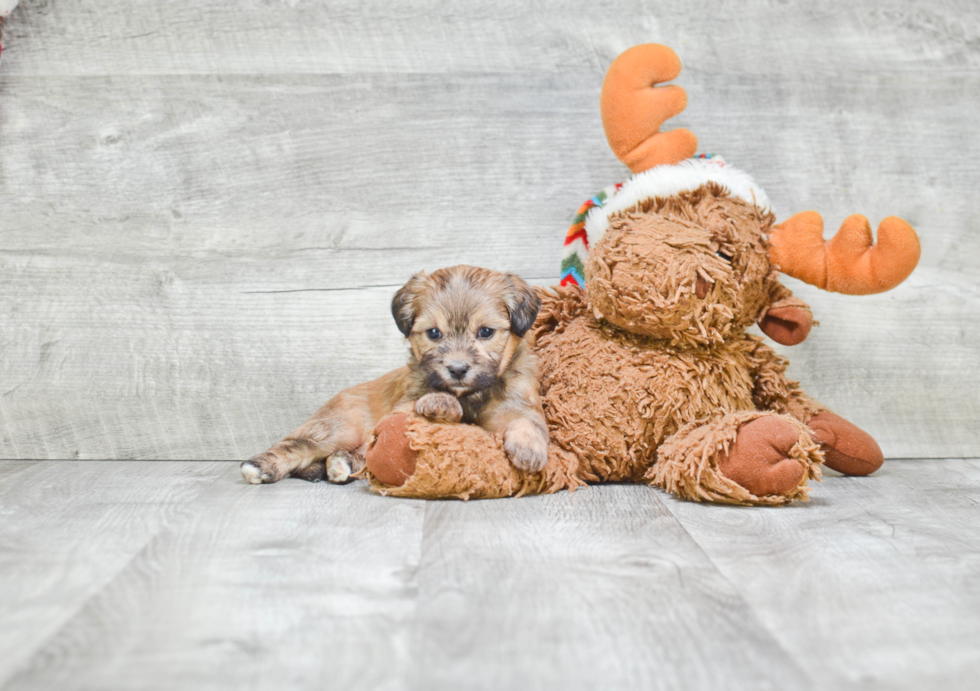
527,445
439,407
338,469
255,474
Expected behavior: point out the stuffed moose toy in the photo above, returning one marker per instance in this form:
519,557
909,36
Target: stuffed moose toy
647,372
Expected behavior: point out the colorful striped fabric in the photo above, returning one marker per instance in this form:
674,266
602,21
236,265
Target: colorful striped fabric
577,244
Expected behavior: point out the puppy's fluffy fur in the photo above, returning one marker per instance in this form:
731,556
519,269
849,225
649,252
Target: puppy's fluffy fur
470,362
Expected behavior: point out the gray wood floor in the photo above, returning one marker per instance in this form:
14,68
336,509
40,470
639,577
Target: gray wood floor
133,575
204,211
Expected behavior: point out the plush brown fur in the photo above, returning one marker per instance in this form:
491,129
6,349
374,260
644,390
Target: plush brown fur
463,462
648,378
649,357
644,275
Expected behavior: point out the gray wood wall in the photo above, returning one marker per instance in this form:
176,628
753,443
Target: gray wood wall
205,207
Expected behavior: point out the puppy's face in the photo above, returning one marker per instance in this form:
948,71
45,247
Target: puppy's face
463,324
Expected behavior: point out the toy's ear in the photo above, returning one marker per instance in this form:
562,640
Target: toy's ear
404,306
787,321
523,304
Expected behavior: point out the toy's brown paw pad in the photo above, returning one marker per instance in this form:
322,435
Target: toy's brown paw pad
847,448
759,459
389,457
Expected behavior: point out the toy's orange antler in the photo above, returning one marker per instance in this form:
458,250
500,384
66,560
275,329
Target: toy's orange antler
849,262
633,108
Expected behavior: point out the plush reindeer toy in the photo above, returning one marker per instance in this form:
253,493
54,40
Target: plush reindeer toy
647,372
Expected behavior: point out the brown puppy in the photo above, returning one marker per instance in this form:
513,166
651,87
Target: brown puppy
469,363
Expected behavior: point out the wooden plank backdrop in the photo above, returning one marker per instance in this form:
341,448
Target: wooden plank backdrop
205,207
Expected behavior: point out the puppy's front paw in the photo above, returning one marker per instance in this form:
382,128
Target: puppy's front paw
259,471
439,407
527,445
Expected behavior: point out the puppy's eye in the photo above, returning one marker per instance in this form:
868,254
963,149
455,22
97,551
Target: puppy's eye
434,334
485,332
726,257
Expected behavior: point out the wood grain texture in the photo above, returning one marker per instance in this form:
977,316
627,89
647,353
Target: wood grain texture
68,529
204,211
286,586
873,584
599,588
130,575
190,365
204,208
426,36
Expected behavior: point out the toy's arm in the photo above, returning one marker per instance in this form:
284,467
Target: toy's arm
787,319
773,390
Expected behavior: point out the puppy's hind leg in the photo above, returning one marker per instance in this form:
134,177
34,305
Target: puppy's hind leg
339,426
338,468
335,435
341,466
314,472
302,457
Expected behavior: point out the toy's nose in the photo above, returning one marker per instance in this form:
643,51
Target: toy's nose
458,369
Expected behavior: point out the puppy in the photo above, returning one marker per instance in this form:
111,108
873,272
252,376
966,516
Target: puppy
469,363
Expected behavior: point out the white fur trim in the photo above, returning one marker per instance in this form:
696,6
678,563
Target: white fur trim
668,180
576,247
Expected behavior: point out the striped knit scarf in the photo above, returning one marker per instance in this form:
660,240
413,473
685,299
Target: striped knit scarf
577,240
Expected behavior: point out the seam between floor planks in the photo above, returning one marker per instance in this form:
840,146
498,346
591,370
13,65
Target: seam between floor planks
107,579
829,580
100,647
758,525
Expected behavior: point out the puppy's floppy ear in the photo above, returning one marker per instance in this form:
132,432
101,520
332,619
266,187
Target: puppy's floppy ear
404,306
522,303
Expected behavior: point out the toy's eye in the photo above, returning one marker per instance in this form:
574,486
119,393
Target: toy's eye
726,257
485,332
434,334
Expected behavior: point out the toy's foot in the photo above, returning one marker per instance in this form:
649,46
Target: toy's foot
748,457
759,458
846,447
389,457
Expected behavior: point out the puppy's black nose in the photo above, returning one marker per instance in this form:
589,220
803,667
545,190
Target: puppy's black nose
458,369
